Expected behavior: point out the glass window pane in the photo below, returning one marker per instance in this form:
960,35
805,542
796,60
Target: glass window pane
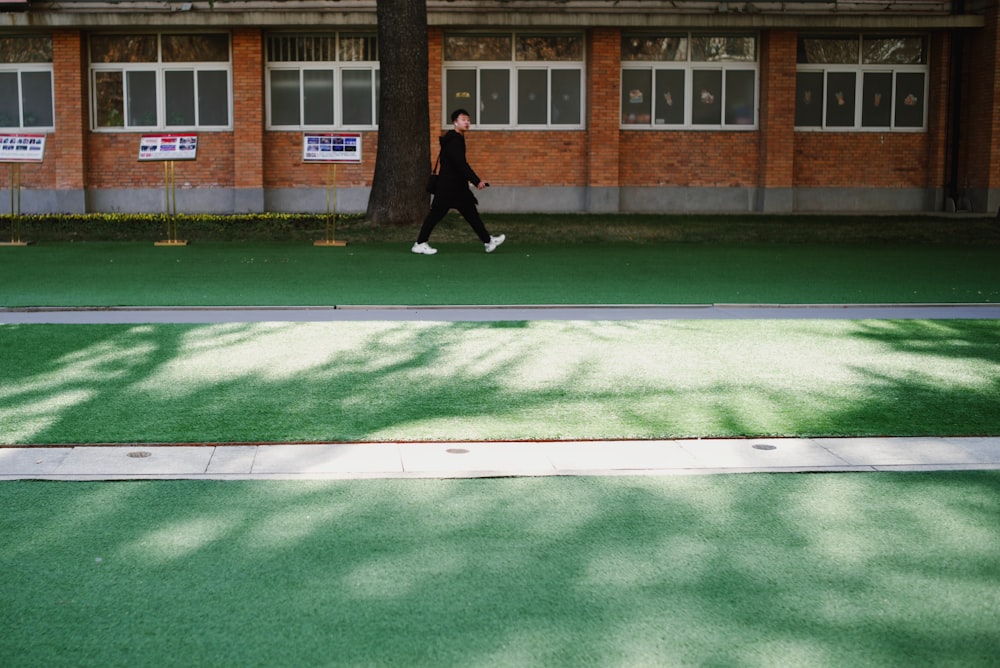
357,97
358,48
729,48
706,107
495,97
195,48
909,100
477,47
532,97
893,50
317,97
549,47
670,97
37,89
285,97
178,98
460,90
649,47
213,97
876,100
123,48
566,97
25,49
828,50
809,99
10,113
110,103
840,94
740,87
140,90
301,48
637,96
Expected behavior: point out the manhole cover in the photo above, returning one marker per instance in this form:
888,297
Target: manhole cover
139,454
457,451
764,446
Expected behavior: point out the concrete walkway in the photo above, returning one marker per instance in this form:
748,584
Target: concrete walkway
487,459
491,459
196,315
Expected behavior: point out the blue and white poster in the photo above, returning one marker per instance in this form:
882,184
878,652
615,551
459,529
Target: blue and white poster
22,148
331,147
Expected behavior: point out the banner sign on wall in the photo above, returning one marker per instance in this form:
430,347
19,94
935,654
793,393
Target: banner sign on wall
22,148
331,147
168,147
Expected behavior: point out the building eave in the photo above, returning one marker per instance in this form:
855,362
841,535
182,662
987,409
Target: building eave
657,14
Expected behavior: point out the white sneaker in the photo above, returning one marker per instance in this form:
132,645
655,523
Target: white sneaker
494,242
423,249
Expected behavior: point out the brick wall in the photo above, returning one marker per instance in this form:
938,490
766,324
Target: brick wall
695,159
603,91
63,167
777,108
602,155
112,162
861,160
283,166
938,110
248,108
878,159
69,64
528,158
435,86
980,166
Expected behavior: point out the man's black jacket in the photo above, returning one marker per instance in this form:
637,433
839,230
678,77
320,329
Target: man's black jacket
455,174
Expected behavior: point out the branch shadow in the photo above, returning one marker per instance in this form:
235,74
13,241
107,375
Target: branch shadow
875,569
279,382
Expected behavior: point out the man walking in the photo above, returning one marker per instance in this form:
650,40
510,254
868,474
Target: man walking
452,189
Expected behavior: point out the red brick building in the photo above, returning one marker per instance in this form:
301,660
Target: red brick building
578,105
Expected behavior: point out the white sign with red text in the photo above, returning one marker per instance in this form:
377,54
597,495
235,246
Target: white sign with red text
168,147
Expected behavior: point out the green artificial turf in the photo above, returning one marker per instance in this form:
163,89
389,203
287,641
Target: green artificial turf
299,274
755,570
375,381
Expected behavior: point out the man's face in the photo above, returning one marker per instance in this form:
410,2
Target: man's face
462,123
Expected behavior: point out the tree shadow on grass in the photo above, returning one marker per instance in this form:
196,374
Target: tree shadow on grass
264,382
878,569
874,569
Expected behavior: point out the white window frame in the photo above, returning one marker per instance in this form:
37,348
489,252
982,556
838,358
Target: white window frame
859,70
19,69
689,67
338,67
515,67
159,69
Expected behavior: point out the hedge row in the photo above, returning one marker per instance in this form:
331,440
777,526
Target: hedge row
141,226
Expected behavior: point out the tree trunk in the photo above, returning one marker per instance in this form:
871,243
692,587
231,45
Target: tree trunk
398,195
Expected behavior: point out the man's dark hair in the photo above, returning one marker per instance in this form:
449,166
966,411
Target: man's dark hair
458,112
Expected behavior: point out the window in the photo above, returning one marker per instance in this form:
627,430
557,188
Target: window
161,81
515,80
866,82
322,81
689,80
26,94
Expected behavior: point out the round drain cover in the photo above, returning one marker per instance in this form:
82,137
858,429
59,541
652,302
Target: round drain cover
139,454
457,451
764,446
